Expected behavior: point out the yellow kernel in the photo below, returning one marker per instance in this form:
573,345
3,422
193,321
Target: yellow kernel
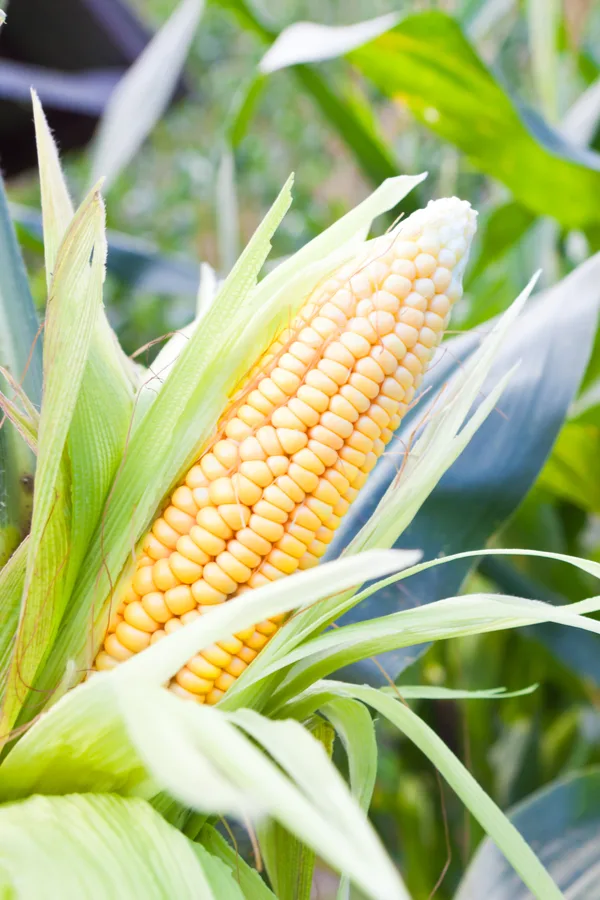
404,377
340,482
285,380
207,541
236,667
201,498
206,595
370,462
303,411
257,641
270,511
187,548
425,287
352,456
269,389
370,369
244,490
253,413
224,681
267,437
412,363
226,452
283,561
393,344
324,327
233,567
247,654
236,515
231,645
309,461
405,250
292,364
186,570
404,268
210,519
327,437
360,285
346,469
321,510
315,398
183,499
397,286
278,465
334,370
143,580
337,352
251,449
217,656
213,698
258,472
379,415
383,322
202,668
326,492
334,313
386,360
214,575
317,548
427,338
365,385
211,466
353,395
302,353
222,491
190,682
291,546
172,625
259,579
426,265
265,528
310,338
254,541
178,520
390,388
321,382
359,441
278,498
104,662
291,488
423,353
326,454
165,534
243,554
195,478
291,440
337,424
300,533
137,617
407,334
357,345
303,477
132,638
446,258
441,279
163,576
434,321
116,649
237,430
180,599
154,548
413,301
155,606
306,518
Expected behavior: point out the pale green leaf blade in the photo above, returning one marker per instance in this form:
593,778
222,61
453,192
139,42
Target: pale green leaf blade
12,582
100,846
250,882
504,835
143,93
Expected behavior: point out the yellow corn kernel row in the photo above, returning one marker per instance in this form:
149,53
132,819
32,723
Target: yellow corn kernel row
266,499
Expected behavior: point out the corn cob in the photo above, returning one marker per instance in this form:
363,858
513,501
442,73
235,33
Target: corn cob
317,412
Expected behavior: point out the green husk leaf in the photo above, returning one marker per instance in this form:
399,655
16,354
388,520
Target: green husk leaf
73,306
250,882
99,846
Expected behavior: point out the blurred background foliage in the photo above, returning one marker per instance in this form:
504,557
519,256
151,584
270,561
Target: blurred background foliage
196,191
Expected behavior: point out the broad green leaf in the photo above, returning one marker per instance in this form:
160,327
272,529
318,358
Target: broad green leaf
21,355
100,846
543,19
560,822
102,415
427,63
73,306
250,882
570,472
504,227
482,807
143,93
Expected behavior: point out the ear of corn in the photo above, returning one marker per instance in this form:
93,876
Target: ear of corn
295,446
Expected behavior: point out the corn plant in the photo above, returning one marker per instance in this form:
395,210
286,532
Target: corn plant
177,507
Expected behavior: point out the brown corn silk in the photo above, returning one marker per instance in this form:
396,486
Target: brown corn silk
266,498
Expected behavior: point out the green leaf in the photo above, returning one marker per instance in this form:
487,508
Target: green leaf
101,846
12,581
561,822
143,93
504,227
482,807
21,355
427,63
570,473
104,408
73,306
250,882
